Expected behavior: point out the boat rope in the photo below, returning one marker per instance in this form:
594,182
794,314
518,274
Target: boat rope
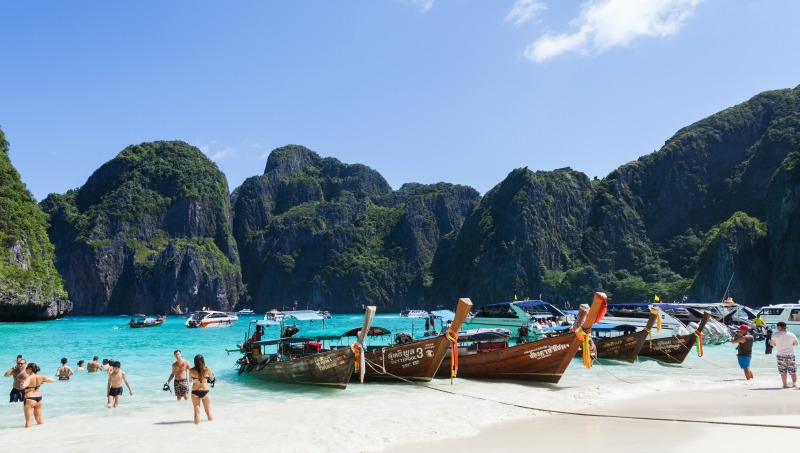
624,417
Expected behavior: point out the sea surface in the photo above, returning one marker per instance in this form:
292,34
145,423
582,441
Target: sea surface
73,408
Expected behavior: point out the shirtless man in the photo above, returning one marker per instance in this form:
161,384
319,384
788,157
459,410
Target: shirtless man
17,394
114,388
180,368
94,366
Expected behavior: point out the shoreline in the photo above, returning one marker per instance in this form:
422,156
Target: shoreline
713,419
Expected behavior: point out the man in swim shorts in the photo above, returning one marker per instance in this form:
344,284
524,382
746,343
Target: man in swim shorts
784,342
745,349
94,366
180,370
17,394
114,388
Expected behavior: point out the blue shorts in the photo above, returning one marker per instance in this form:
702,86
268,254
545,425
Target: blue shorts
744,361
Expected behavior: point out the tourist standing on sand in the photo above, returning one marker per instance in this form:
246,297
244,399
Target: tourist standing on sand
201,376
180,370
32,407
743,338
114,388
65,371
784,342
17,394
94,366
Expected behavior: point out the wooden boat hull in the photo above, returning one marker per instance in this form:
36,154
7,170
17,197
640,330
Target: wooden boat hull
673,349
326,369
544,360
624,347
415,361
670,349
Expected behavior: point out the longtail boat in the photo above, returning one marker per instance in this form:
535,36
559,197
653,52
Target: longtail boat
543,360
675,349
143,321
624,347
315,366
417,360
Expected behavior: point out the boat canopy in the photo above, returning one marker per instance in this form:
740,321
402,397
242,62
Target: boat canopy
304,315
646,305
447,315
335,334
484,334
291,340
604,327
266,322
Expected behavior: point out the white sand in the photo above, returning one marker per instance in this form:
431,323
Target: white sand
468,416
740,403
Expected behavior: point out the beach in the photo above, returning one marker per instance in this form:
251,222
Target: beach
469,415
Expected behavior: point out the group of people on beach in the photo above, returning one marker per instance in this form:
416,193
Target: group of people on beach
783,342
27,381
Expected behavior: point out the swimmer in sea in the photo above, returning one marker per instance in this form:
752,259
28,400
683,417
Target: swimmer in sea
65,371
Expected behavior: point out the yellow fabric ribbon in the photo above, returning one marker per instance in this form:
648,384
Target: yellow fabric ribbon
583,336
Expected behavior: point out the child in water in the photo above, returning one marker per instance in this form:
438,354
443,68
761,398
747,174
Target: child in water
114,388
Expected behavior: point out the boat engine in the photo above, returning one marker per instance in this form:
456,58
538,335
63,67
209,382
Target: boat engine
402,338
288,331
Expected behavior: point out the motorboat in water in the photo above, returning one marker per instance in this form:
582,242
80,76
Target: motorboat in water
245,312
146,321
515,315
788,313
413,314
210,318
274,315
637,314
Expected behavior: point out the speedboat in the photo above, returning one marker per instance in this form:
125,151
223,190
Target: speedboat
146,321
413,314
516,315
274,315
637,314
788,313
210,318
245,312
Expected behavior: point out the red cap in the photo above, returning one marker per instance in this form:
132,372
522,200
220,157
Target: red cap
744,327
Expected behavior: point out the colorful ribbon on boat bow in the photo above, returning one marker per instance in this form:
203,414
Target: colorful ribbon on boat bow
358,350
452,337
699,344
586,348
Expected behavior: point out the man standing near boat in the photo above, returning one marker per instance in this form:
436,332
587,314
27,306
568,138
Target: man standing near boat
745,349
180,368
785,342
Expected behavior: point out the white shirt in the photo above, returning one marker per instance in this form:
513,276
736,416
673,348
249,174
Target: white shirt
784,342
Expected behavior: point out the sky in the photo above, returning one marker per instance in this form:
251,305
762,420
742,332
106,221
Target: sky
460,91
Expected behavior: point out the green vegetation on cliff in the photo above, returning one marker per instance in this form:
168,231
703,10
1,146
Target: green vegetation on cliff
29,282
149,222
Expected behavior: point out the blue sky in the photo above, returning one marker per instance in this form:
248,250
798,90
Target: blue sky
461,91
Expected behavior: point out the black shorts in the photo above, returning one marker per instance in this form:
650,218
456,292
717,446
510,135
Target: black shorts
115,391
16,396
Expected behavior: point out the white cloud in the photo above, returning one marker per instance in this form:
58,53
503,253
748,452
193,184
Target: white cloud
525,11
604,24
244,151
423,5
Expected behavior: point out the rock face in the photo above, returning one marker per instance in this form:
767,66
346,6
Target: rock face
335,236
30,287
149,232
783,218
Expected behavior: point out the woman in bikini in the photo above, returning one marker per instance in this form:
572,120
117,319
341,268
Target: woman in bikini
65,371
200,376
32,404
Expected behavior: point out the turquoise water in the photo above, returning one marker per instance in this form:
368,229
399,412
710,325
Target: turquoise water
147,354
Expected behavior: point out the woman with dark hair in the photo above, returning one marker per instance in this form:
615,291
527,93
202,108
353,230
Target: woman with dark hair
32,404
201,376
